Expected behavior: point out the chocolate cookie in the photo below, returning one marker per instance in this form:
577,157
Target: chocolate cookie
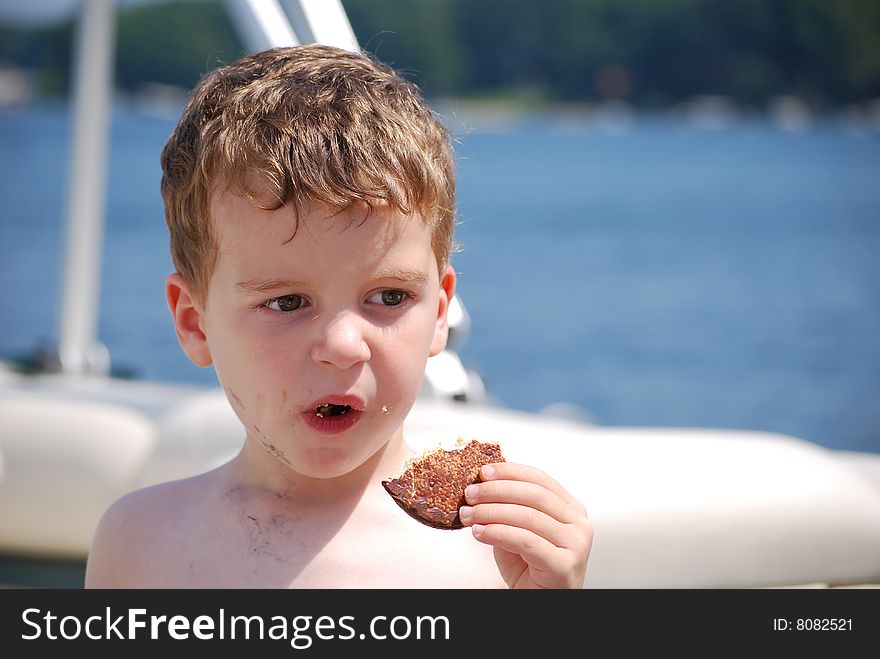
431,488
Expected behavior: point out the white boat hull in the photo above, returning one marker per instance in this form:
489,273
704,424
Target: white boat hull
672,507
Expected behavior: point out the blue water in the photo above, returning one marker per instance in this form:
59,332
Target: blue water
662,275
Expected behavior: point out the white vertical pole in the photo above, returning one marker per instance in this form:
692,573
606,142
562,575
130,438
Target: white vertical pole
78,349
261,24
321,21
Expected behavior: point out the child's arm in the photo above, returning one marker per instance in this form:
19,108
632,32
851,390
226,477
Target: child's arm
540,533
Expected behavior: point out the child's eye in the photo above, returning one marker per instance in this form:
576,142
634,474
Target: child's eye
285,303
388,297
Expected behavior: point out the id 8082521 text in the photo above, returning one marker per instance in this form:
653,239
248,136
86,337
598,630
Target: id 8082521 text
812,624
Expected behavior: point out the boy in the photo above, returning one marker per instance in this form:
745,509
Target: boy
309,193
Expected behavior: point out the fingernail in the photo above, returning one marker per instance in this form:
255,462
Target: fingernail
470,493
488,471
477,529
466,514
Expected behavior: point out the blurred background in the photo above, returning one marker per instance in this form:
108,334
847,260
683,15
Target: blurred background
669,212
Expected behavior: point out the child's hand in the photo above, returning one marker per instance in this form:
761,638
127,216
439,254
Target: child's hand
540,533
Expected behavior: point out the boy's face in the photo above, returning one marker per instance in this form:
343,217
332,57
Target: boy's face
320,341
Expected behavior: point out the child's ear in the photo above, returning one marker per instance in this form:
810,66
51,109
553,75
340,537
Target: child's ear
187,320
441,327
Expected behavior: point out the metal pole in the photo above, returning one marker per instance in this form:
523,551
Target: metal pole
321,21
78,349
261,24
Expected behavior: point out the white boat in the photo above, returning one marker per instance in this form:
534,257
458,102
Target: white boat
671,507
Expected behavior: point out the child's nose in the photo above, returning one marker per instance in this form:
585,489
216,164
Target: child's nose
341,342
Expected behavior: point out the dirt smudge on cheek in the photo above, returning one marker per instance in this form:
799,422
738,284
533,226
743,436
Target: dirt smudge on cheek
234,398
270,447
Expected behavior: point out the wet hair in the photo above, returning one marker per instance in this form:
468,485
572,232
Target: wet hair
307,124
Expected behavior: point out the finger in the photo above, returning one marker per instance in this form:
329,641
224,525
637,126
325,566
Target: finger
542,557
519,472
522,517
524,493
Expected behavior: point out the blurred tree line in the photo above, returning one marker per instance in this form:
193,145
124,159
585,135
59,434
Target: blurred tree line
645,52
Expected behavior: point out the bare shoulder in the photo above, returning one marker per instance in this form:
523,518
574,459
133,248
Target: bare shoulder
137,530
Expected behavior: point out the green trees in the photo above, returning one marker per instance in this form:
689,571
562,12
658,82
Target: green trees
645,52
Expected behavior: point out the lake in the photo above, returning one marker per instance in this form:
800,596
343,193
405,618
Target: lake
650,272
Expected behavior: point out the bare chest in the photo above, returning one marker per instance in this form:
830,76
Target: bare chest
378,547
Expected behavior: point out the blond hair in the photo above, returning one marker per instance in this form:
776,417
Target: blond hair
312,124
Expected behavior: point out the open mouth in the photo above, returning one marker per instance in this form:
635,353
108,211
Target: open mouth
334,414
329,409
